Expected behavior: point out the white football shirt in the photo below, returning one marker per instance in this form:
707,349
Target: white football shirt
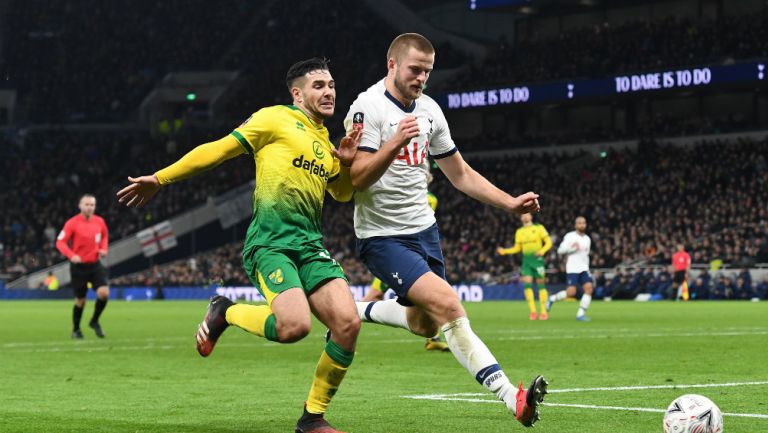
397,203
576,247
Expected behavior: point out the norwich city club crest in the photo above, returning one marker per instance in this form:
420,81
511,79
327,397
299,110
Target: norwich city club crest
276,277
317,147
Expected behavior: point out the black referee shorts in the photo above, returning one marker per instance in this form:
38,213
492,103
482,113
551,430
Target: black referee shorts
84,273
679,277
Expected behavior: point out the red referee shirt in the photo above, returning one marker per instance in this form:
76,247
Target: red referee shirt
87,237
681,261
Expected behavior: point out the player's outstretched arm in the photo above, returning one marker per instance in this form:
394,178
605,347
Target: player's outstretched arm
368,167
473,184
516,248
203,157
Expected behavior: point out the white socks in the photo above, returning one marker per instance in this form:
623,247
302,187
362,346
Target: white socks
387,312
559,296
474,356
584,304
467,347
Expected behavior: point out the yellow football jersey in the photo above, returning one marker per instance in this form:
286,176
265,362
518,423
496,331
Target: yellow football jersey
529,240
294,165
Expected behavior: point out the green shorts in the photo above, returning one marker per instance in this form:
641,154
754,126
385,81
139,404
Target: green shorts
533,267
273,270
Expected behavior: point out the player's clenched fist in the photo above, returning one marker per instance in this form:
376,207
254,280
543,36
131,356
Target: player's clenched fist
526,203
406,130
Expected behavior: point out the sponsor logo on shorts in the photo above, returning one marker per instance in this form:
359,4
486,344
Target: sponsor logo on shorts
276,276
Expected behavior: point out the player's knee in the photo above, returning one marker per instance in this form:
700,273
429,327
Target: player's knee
445,309
293,331
426,329
347,328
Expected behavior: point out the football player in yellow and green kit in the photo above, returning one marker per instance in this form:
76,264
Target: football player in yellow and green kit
378,287
533,240
283,253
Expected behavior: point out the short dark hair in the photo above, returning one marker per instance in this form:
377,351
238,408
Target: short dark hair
299,69
86,195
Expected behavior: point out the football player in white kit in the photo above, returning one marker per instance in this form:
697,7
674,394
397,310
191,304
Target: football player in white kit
398,239
575,246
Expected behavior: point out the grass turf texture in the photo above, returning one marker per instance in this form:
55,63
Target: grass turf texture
146,376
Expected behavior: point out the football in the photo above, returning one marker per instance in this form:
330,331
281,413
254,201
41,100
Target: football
693,413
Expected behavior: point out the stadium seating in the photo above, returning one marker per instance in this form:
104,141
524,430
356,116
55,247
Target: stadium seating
638,205
601,50
40,194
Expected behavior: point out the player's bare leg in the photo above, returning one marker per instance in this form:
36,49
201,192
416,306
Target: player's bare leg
569,292
333,305
435,299
286,320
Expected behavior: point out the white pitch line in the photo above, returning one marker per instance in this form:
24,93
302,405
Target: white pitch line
467,397
580,406
602,388
603,336
76,347
550,334
646,409
642,387
66,342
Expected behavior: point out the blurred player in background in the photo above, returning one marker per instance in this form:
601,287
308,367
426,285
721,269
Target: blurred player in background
533,241
283,253
681,262
398,238
378,288
575,246
84,241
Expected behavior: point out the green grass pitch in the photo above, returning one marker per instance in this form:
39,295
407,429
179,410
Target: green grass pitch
147,377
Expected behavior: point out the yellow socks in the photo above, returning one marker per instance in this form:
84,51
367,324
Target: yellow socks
529,298
256,319
329,373
685,291
543,296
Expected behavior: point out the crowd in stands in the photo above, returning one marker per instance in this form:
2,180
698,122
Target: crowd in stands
638,203
713,197
604,50
628,283
356,63
89,60
220,266
657,126
44,173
